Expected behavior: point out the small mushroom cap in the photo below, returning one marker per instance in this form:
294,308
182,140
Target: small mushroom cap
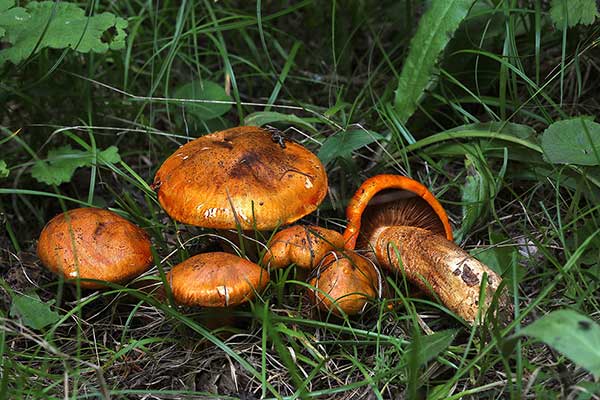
91,243
348,279
245,170
216,280
302,245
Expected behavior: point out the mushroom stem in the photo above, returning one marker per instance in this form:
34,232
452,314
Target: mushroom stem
437,266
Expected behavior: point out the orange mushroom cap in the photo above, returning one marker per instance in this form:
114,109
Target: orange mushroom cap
240,175
344,283
91,243
216,280
378,183
302,245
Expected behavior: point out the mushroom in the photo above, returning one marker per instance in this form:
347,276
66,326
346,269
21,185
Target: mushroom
216,280
302,245
91,243
409,232
240,177
344,283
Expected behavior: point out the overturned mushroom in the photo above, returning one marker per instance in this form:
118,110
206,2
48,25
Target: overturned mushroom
216,280
302,245
409,232
91,243
344,283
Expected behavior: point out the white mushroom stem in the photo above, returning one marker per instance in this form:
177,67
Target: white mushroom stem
437,265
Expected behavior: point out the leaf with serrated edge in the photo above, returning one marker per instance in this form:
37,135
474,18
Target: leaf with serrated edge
56,25
436,28
33,312
575,11
62,162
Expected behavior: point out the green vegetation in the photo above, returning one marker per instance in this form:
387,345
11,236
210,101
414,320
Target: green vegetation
489,103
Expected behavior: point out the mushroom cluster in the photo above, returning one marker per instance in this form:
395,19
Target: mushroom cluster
244,179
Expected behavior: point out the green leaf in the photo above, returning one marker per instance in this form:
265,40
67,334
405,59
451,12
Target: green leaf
587,390
62,162
572,334
574,11
56,25
4,171
33,312
502,258
211,96
436,28
474,196
262,118
572,141
342,144
518,130
499,259
430,346
479,190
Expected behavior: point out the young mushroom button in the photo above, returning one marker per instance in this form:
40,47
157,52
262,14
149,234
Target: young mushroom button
240,177
344,283
302,245
95,244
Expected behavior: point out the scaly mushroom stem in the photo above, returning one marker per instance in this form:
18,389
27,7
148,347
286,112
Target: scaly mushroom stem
437,265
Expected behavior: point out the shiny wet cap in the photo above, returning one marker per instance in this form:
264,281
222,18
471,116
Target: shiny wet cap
245,170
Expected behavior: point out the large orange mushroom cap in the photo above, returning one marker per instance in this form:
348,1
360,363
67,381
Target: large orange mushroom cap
240,176
216,280
91,243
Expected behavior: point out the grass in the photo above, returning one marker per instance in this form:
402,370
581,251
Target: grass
334,67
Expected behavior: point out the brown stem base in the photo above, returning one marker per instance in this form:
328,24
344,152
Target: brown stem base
437,265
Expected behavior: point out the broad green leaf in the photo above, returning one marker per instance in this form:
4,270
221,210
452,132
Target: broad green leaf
342,144
262,118
574,11
436,28
10,16
211,95
33,312
4,171
56,25
572,334
572,141
62,162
